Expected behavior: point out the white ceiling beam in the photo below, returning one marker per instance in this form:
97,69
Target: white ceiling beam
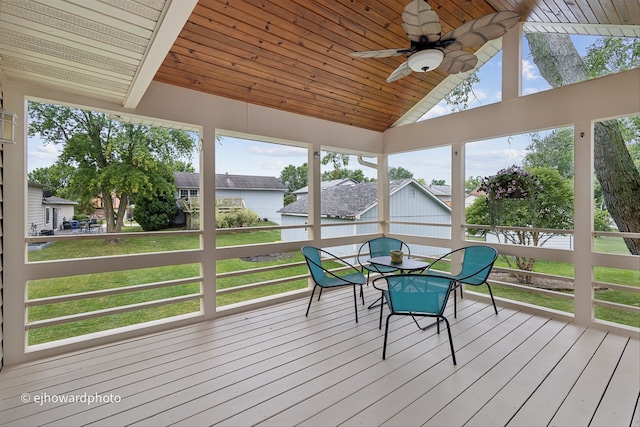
173,19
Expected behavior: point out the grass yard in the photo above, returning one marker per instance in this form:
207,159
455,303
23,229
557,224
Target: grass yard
100,247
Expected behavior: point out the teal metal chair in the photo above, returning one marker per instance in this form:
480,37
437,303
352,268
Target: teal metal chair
477,262
323,277
416,295
380,246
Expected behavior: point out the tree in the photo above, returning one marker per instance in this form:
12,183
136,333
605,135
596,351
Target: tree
554,150
181,166
155,211
111,160
55,178
339,160
356,175
399,173
540,198
472,183
560,64
438,182
294,178
460,97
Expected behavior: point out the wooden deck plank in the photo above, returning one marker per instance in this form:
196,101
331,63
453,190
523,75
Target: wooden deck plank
581,403
459,410
545,401
430,403
501,407
617,403
470,343
298,404
274,366
151,384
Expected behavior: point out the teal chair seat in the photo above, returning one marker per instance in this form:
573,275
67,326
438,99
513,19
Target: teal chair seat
323,277
415,295
477,263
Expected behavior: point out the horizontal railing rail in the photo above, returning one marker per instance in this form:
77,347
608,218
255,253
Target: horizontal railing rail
109,311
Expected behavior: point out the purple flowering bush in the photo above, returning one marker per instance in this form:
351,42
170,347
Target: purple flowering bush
511,183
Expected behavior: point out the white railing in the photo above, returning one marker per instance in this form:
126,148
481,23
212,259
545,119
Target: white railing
261,249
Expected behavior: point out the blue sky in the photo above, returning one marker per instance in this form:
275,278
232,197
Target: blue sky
243,157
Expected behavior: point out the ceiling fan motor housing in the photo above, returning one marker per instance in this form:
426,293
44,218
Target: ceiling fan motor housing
425,60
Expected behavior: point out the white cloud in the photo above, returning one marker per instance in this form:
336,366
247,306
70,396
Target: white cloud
529,71
41,155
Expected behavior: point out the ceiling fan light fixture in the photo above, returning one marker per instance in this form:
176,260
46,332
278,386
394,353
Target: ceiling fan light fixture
425,60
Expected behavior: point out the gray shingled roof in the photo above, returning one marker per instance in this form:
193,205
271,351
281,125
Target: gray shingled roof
325,184
343,201
53,200
243,182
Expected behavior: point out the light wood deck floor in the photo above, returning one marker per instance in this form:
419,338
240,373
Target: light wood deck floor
274,367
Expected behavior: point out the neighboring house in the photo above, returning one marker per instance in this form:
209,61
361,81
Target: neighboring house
349,204
264,195
46,213
471,197
442,192
324,184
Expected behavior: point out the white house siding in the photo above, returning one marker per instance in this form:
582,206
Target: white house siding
263,202
555,242
35,210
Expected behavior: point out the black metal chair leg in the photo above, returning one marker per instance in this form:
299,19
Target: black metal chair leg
355,302
384,345
453,353
311,299
492,300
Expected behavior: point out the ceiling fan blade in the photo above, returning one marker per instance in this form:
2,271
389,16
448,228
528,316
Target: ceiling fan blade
420,20
457,61
402,71
479,31
384,53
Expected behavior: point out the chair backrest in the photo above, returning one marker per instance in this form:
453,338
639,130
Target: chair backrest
382,246
314,262
415,293
477,263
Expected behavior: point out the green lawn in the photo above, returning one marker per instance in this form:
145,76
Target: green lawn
100,247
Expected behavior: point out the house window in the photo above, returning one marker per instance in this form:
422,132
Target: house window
46,215
412,193
188,193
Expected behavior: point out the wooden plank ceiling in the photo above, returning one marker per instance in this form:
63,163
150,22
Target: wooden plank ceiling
285,54
292,54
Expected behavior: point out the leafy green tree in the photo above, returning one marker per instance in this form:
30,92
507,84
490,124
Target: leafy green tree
549,208
295,177
472,183
155,211
460,97
438,182
55,178
182,166
356,175
339,160
399,173
111,160
560,64
554,150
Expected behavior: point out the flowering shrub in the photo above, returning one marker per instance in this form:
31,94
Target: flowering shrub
511,183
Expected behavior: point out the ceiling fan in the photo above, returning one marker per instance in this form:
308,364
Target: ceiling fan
430,50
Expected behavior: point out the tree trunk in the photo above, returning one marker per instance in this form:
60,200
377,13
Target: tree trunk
560,64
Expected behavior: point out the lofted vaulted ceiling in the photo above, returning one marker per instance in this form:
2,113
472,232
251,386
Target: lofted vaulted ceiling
285,54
